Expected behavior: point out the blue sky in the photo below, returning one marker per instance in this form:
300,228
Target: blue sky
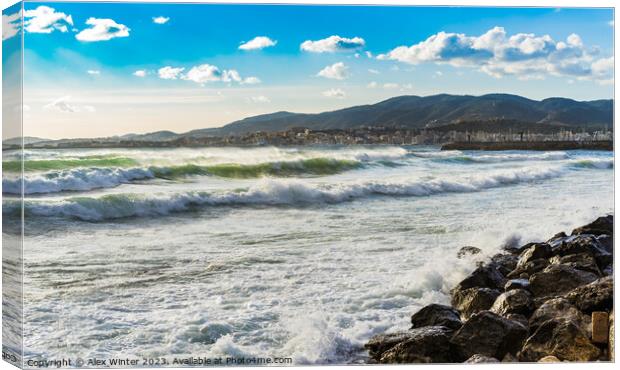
99,69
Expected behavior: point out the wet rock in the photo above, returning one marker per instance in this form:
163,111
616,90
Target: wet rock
584,244
467,251
430,344
596,296
555,280
556,238
581,261
481,359
549,359
486,276
436,315
562,339
559,309
517,284
521,319
514,249
378,344
472,300
529,268
505,262
536,251
602,225
513,301
489,334
600,327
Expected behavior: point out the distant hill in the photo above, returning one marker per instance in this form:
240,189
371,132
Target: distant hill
433,111
27,140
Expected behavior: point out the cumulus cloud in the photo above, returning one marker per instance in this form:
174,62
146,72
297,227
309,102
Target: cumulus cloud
334,93
333,44
160,20
206,73
258,43
169,73
44,19
251,80
336,71
10,25
260,99
93,72
64,106
140,73
102,30
524,55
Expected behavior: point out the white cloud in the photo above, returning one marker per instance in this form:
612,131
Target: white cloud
140,73
337,71
102,30
160,20
257,43
44,19
205,73
369,54
251,80
373,71
260,99
524,55
390,85
10,25
334,93
93,72
169,73
333,44
64,106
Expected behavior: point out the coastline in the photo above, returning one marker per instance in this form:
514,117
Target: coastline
541,302
531,145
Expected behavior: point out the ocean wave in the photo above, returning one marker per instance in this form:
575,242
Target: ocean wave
595,163
461,157
67,163
268,192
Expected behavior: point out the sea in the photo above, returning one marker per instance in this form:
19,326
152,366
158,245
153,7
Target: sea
298,253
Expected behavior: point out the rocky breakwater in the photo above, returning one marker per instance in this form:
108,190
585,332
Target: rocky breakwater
540,302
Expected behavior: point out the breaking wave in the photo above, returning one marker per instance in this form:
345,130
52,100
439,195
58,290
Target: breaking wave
267,192
461,157
67,163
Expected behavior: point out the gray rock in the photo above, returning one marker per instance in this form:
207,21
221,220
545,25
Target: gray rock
517,249
558,279
481,359
581,261
430,344
559,309
472,300
562,339
467,251
489,334
602,225
378,344
436,315
517,284
529,268
486,276
536,251
584,244
596,296
517,301
505,262
521,319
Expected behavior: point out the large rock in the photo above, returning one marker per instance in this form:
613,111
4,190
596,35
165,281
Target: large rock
517,301
472,300
581,261
558,279
515,249
481,359
505,262
486,276
430,344
529,268
536,251
562,339
489,334
467,251
436,315
517,284
585,244
596,296
378,344
559,309
602,225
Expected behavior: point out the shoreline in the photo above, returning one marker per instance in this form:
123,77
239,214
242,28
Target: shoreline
531,145
540,302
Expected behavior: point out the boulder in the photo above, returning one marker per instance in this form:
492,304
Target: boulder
505,262
529,268
602,225
436,315
555,280
481,359
378,344
536,251
472,300
486,276
559,309
517,301
556,239
596,296
489,334
562,339
521,319
585,244
430,344
517,284
517,249
581,261
467,251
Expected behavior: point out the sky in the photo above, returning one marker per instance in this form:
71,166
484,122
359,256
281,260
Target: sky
103,69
